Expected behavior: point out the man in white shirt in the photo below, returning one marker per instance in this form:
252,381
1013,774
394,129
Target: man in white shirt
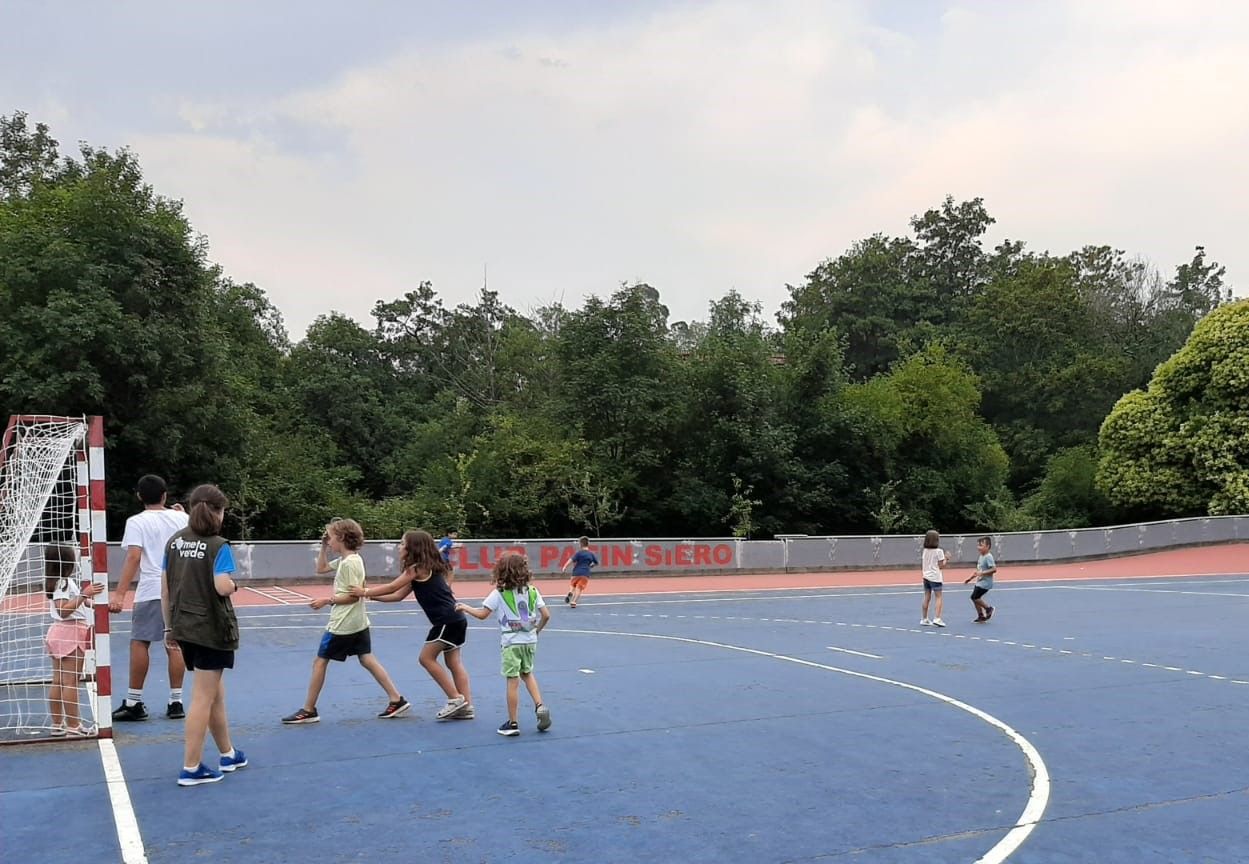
147,534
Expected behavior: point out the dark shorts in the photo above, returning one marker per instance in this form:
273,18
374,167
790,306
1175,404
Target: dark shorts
203,657
978,592
929,585
452,635
340,647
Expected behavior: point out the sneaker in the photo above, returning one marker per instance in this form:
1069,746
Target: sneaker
544,717
509,728
453,706
175,711
980,620
202,774
924,622
988,613
79,731
568,597
238,760
394,709
937,622
303,715
126,713
465,713
57,732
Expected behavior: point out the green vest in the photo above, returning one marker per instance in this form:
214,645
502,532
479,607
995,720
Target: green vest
197,613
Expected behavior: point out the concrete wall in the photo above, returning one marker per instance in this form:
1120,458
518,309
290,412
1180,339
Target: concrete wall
289,560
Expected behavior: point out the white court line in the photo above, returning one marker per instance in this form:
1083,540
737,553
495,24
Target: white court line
263,592
855,653
123,811
1135,590
1038,798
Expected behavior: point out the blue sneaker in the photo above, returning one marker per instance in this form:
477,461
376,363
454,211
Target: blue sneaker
202,774
239,760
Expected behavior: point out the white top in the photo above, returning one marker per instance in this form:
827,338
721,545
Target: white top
67,589
932,559
151,531
516,626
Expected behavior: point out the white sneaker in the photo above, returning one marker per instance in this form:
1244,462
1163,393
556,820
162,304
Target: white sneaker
924,622
937,622
452,706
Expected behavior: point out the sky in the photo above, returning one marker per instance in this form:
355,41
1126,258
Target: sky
338,154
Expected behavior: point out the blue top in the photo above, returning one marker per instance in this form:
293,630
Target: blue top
983,563
445,545
582,561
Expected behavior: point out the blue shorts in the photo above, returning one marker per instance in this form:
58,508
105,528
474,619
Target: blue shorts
339,647
929,585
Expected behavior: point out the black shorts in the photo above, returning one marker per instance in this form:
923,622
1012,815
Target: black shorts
339,647
978,592
452,635
203,657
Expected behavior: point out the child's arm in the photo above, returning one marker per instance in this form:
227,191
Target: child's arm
567,564
66,607
546,616
323,560
392,592
480,613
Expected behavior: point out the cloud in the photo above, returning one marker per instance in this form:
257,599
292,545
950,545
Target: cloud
720,145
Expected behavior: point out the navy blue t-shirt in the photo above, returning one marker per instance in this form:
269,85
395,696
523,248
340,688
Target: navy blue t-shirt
582,561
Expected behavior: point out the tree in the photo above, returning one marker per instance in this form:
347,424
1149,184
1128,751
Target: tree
1181,447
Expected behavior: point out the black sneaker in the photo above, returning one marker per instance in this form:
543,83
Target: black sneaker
988,613
568,597
126,713
174,711
394,709
302,716
509,728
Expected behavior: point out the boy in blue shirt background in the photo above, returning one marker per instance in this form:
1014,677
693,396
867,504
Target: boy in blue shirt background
582,561
983,574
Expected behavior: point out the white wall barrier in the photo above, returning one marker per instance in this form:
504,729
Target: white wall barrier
282,560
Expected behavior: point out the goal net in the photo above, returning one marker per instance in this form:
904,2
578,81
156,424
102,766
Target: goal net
54,679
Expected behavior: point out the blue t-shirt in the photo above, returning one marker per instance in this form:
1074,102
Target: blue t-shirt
445,546
582,561
983,563
223,563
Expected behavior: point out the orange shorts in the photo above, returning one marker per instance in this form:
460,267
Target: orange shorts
580,582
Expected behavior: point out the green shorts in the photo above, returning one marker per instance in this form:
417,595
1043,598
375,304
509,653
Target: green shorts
518,659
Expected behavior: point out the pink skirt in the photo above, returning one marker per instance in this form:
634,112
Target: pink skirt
66,637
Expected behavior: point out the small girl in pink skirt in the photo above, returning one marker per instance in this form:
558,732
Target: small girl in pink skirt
69,637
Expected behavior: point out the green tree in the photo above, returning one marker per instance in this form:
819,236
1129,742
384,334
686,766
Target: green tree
1181,447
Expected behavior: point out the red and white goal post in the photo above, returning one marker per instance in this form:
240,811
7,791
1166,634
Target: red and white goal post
51,494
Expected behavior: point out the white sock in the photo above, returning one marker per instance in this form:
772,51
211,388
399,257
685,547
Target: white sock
175,694
133,696
190,770
229,755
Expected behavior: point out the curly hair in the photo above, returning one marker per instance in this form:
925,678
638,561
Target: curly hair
348,532
417,549
511,571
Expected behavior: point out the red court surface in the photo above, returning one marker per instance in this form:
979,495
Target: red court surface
1189,561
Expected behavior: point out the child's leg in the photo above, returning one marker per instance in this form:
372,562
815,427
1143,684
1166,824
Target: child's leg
429,662
319,665
56,697
177,667
205,685
71,668
927,597
513,698
378,671
218,722
459,672
531,684
940,603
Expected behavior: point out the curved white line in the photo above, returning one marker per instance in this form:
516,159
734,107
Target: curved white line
1038,800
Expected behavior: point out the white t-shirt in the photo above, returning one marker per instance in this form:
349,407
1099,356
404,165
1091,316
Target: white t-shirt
151,531
516,626
67,589
932,559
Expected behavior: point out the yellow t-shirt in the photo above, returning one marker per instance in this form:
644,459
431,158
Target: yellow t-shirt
348,618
